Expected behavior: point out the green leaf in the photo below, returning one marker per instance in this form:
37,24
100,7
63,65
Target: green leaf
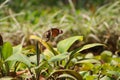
7,50
7,78
33,59
20,58
88,46
90,77
87,66
106,56
17,49
105,78
66,76
84,74
59,57
66,71
42,66
65,44
1,63
88,61
48,46
116,73
85,47
48,54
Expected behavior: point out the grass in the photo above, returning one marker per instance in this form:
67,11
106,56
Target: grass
98,25
101,25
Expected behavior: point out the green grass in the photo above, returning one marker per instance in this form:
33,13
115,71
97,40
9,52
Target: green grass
99,26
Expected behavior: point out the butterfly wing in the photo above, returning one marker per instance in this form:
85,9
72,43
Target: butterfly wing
47,35
55,32
52,33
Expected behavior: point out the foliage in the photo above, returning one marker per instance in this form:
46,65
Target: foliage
73,57
69,64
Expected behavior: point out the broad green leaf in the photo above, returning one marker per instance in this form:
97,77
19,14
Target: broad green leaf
33,59
48,46
7,78
66,76
20,58
85,47
70,72
88,61
90,77
105,78
42,66
7,50
116,73
65,44
87,66
116,59
1,63
89,55
17,49
84,74
106,56
48,54
59,57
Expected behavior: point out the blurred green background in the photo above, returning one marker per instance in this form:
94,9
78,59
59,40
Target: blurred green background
96,20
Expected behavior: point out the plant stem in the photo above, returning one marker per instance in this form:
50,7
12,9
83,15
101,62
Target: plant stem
38,53
38,59
7,68
33,77
67,63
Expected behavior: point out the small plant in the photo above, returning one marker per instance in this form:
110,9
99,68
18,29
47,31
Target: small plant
72,58
58,63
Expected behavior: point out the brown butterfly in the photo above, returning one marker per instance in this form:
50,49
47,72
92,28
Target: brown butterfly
52,33
1,40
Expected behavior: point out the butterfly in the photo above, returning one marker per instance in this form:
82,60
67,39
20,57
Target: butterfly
52,33
1,40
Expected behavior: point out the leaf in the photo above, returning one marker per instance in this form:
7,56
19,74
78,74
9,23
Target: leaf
106,56
114,73
90,77
48,46
48,54
7,78
65,44
7,50
66,71
33,59
1,63
84,74
85,47
87,66
59,57
20,58
66,76
42,66
105,78
17,49
88,61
